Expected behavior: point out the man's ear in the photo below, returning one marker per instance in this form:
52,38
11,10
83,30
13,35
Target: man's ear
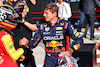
55,14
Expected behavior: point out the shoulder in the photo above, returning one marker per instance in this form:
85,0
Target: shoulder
64,23
65,3
43,24
8,31
2,28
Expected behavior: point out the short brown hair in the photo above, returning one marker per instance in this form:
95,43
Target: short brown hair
52,6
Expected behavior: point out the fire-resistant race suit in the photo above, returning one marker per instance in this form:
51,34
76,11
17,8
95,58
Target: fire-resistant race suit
54,38
7,50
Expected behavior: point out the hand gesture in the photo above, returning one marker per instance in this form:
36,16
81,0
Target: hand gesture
22,58
23,41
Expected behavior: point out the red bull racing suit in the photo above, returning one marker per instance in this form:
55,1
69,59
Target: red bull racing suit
7,50
54,38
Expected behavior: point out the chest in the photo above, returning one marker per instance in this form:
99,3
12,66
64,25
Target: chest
53,33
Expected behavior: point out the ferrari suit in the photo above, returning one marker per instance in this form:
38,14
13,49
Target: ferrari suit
54,38
7,50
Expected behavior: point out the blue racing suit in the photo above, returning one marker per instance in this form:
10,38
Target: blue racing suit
54,38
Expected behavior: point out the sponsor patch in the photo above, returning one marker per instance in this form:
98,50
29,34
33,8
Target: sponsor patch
77,34
77,46
58,32
54,44
59,28
47,28
53,37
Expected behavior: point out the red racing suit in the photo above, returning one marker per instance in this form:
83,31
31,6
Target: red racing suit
7,50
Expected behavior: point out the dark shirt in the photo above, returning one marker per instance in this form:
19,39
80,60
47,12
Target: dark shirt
89,6
22,31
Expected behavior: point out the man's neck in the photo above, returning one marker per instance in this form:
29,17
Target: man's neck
54,21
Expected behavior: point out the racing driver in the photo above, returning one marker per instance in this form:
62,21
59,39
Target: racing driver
53,32
8,54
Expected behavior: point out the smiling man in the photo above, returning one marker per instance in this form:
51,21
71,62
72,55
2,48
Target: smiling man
53,32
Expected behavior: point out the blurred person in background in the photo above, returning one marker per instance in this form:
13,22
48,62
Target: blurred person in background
64,10
82,16
89,10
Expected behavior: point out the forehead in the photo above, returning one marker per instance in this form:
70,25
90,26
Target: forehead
47,10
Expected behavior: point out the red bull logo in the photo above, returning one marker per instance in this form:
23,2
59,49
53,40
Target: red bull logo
54,44
76,47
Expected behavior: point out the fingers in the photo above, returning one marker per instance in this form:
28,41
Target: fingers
67,53
71,50
23,41
22,58
20,42
26,41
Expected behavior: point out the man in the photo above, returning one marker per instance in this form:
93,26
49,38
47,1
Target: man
8,54
64,10
89,10
24,29
53,32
